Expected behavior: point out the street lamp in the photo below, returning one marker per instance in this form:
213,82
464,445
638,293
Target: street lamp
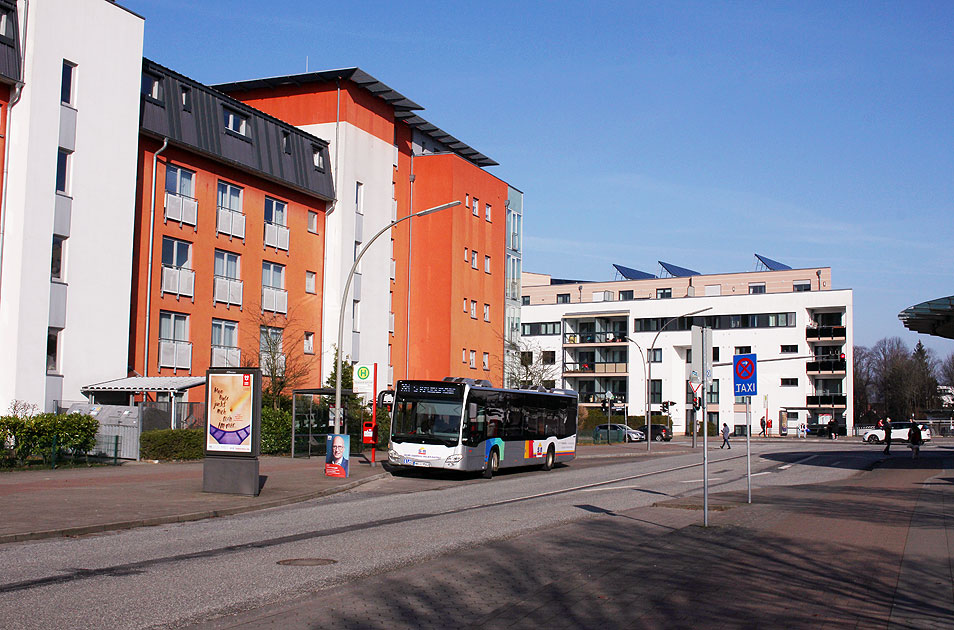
649,373
642,361
344,298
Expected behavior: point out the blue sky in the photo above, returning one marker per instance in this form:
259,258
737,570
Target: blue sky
696,133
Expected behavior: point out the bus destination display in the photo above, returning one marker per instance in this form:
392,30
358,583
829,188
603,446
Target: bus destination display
430,389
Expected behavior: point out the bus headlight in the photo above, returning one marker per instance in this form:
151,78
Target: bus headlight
393,455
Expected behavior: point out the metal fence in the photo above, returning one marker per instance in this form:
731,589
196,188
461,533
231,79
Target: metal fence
159,415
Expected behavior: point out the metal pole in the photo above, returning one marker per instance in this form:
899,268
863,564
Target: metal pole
705,438
344,298
748,450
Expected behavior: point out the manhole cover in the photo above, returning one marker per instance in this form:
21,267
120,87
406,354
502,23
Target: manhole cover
306,562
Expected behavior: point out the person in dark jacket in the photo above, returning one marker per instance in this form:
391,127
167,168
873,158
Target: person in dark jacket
832,429
887,436
914,439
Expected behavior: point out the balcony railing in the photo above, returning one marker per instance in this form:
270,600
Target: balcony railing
826,332
593,337
178,281
827,365
591,398
175,354
181,208
827,400
227,290
276,236
275,300
230,222
226,356
594,367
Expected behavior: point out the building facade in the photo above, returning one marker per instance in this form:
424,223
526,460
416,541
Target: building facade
69,184
403,310
607,339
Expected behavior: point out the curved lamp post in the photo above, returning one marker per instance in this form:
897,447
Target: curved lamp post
344,298
649,374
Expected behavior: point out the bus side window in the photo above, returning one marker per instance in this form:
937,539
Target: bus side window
476,428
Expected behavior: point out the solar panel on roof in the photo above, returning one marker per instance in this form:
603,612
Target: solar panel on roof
676,271
772,265
633,274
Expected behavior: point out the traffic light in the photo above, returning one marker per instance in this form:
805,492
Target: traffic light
603,406
696,403
665,406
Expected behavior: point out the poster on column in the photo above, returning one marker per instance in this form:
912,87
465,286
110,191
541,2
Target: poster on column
232,409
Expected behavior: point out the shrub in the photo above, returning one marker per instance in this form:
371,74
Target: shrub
276,431
170,444
36,435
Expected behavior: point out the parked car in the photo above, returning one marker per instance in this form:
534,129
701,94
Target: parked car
899,433
616,432
660,432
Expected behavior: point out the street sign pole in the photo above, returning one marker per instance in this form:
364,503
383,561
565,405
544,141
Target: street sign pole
705,436
745,380
748,448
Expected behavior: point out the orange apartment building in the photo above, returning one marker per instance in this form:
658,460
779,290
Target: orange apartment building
229,236
430,300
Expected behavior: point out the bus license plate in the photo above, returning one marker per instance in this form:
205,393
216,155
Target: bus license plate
421,463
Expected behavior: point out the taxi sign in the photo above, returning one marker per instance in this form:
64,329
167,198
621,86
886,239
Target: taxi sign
744,375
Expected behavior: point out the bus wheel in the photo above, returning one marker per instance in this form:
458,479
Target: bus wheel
548,462
493,463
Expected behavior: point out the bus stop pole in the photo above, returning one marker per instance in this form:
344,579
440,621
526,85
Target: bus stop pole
374,411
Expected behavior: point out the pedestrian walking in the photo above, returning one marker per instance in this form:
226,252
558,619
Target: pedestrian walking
887,436
762,422
915,440
725,436
832,429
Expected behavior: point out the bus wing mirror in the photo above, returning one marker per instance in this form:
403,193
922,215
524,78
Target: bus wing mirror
472,411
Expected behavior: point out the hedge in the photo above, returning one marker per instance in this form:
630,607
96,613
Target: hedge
276,431
35,436
170,444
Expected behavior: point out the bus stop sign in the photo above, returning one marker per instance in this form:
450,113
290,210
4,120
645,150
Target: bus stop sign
743,369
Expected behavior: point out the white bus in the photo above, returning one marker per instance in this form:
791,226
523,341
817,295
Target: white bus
463,424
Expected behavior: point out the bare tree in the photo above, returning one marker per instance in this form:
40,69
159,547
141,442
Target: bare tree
529,365
278,348
945,371
864,381
891,366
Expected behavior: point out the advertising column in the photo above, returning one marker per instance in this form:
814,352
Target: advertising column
232,436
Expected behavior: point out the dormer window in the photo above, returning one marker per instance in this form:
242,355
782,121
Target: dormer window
151,86
235,122
319,158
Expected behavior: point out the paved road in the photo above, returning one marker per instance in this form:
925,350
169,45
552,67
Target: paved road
176,574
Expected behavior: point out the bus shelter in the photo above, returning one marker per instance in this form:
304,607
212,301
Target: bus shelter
311,420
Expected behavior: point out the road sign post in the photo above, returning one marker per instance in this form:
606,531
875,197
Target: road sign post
746,384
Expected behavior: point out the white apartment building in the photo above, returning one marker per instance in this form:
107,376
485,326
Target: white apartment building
66,238
597,336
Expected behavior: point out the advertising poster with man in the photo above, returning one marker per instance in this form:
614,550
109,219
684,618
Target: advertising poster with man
336,460
230,409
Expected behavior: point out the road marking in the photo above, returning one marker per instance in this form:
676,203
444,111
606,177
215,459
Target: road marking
801,461
613,488
767,472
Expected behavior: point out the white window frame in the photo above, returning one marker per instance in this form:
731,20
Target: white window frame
486,312
473,259
279,211
235,121
309,343
476,207
486,264
177,172
473,359
310,279
487,212
272,268
312,222
473,309
486,361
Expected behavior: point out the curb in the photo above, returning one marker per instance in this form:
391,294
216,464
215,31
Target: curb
182,518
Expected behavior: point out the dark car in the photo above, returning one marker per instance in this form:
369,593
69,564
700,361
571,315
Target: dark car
660,432
605,432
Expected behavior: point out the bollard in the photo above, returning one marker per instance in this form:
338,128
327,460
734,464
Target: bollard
115,450
53,455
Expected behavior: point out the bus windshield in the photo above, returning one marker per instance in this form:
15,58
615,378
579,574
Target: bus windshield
426,421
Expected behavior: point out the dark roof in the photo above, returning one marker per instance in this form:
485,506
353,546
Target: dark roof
677,272
403,106
934,317
633,274
772,265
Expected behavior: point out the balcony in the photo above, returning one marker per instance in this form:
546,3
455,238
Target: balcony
590,398
178,281
175,354
594,367
592,338
276,236
230,222
181,208
827,400
826,333
227,290
827,366
226,356
275,300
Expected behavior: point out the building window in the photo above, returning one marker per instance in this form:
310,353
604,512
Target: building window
525,300
359,197
465,305
466,255
313,222
151,86
309,343
473,259
175,253
235,122
318,158
563,298
801,285
625,295
789,349
275,211
526,358
655,355
185,97
309,282
56,260
271,359
173,326
487,211
715,353
473,358
63,159
230,197
486,312
655,391
712,396
226,265
6,23
463,355
273,275
224,333
548,357
743,350
756,288
473,309
66,84
549,384
180,181
476,207
486,264
486,362
789,382
467,200
541,328
663,293
52,350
